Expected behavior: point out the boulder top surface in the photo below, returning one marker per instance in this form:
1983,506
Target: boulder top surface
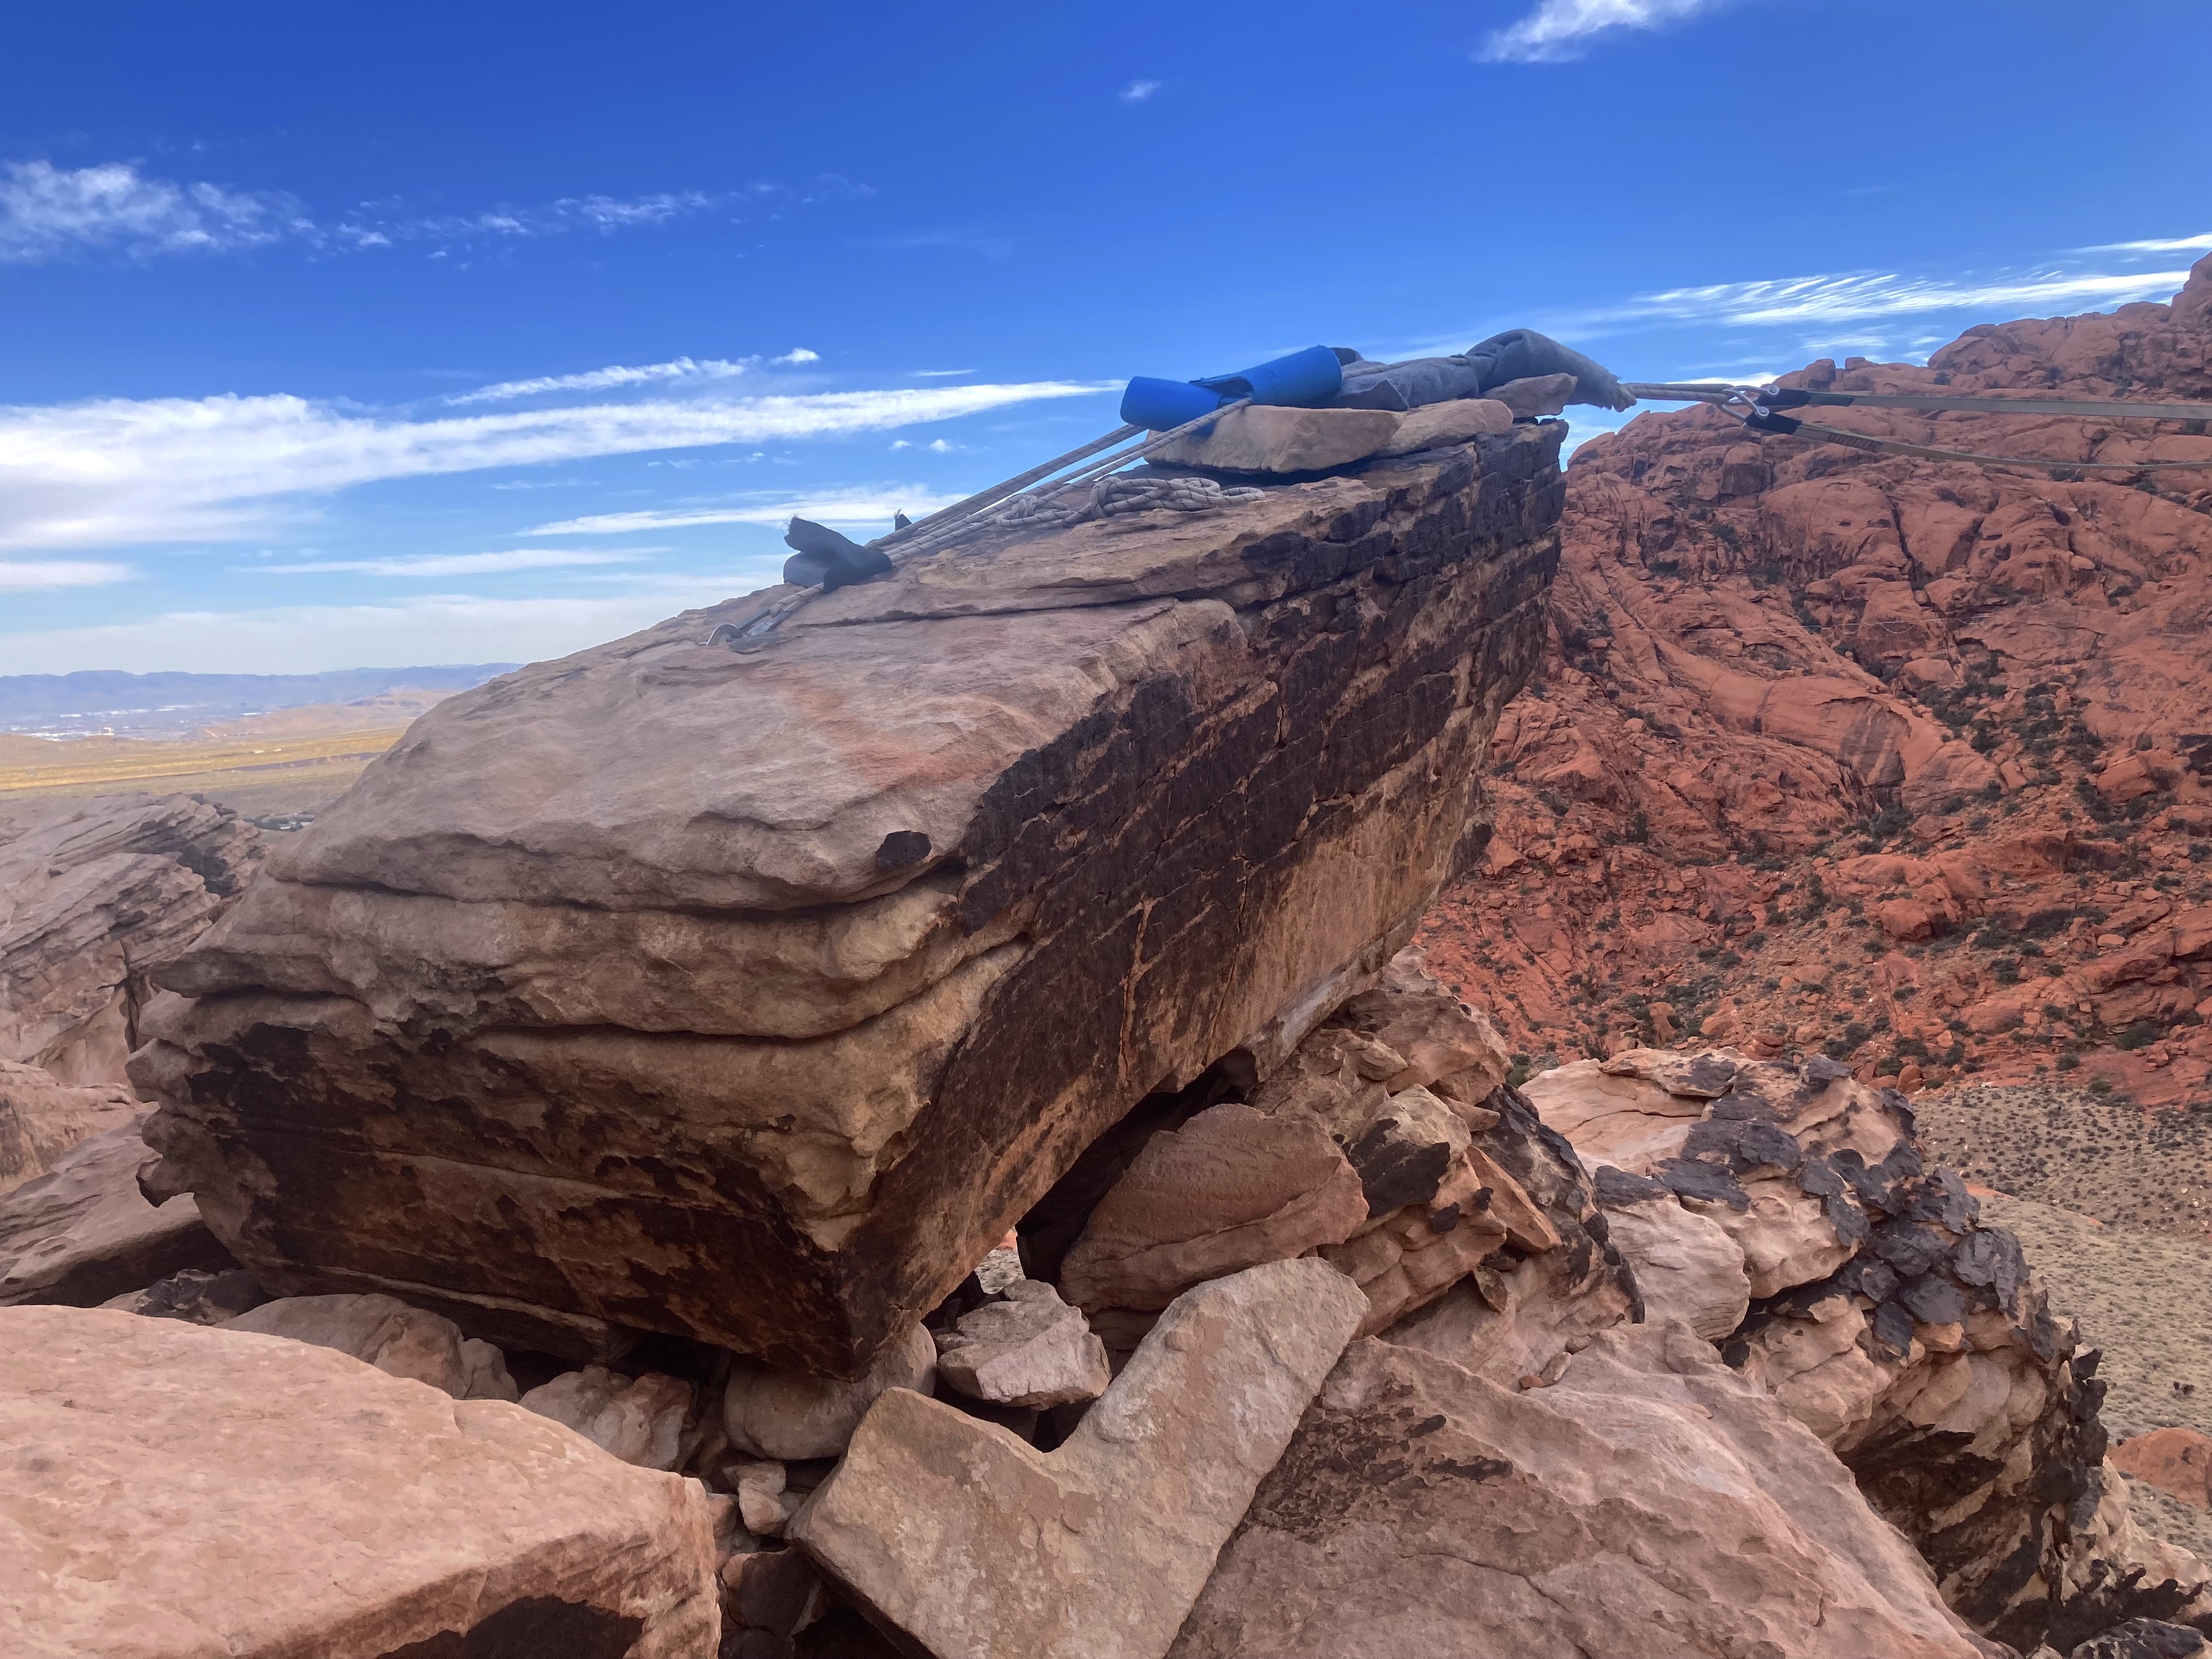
875,714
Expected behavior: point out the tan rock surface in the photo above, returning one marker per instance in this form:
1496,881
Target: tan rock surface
753,995
1267,438
92,894
1648,1501
640,1419
385,1331
82,1232
1030,1349
772,1413
1686,1266
175,1492
1116,1530
1889,1320
41,1118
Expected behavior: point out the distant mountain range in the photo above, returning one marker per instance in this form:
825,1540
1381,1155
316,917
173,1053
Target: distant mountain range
132,704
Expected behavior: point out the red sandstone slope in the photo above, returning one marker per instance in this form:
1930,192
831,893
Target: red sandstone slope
1910,759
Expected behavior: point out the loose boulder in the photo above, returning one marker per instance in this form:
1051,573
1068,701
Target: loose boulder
639,1419
385,1331
1030,1349
175,1492
1115,1531
1232,1189
772,1412
751,993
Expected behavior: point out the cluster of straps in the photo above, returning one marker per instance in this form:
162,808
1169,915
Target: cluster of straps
1757,408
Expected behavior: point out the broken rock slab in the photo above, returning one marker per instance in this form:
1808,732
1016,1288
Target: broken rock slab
92,894
42,1117
751,995
1269,438
176,1492
1452,422
639,1419
385,1331
973,1545
1031,1349
1648,1501
1232,1189
786,1415
83,1232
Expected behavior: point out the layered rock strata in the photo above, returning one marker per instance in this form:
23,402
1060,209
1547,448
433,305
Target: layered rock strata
1647,1501
92,894
1884,1316
752,994
83,1231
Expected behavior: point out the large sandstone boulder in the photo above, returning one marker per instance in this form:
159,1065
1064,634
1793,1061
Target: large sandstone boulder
1648,1501
974,1545
752,994
92,894
176,1492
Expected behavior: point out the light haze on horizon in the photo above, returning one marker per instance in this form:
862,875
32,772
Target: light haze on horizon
359,335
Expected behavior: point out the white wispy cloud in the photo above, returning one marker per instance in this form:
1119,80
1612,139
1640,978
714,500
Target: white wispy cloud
797,356
41,575
308,639
1853,295
941,373
114,472
45,212
2155,245
1559,30
865,504
680,369
1137,91
454,564
51,213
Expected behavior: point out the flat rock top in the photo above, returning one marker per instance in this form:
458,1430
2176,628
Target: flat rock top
658,771
172,1490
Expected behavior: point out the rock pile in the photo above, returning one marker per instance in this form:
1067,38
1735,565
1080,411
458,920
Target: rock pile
1897,757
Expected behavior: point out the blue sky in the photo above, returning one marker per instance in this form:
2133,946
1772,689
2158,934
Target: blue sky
345,334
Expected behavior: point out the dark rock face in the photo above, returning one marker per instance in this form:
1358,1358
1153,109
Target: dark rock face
752,996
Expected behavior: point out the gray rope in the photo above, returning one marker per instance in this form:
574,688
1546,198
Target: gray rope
1679,392
963,518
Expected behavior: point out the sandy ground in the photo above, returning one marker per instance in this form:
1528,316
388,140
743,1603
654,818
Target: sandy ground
2099,1156
277,768
2145,1299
